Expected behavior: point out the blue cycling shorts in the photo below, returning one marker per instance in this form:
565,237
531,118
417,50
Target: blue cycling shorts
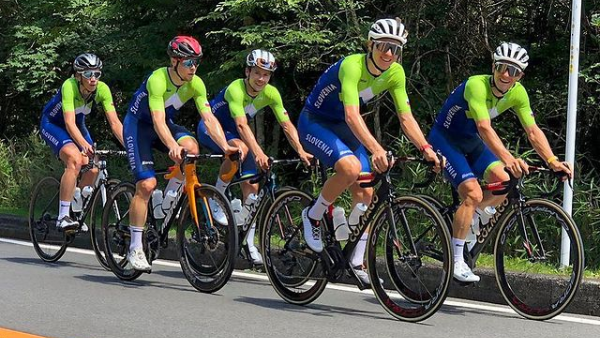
466,158
57,136
329,141
140,137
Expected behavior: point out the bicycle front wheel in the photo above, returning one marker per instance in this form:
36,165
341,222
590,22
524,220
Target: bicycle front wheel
49,242
207,249
96,220
115,231
528,252
409,249
293,269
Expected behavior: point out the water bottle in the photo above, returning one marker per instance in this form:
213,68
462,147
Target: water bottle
342,232
77,203
248,204
359,210
157,199
236,207
87,191
168,200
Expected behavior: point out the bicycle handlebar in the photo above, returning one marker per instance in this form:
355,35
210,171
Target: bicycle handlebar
376,177
502,188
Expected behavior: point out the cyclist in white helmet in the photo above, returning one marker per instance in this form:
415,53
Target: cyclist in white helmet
234,107
332,128
463,133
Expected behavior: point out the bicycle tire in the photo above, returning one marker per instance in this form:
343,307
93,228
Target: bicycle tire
115,231
294,274
515,287
97,238
411,275
207,254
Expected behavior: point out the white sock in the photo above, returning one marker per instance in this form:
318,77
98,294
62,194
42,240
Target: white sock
63,209
173,184
319,208
136,237
458,247
221,186
250,238
358,255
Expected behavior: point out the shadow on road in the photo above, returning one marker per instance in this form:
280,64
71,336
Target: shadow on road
110,279
55,265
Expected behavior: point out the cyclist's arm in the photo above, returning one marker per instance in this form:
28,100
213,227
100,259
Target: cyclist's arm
213,127
105,97
156,88
407,120
539,142
475,94
235,99
68,104
349,78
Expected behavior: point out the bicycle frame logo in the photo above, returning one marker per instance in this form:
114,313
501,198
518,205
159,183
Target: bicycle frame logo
253,208
363,219
486,230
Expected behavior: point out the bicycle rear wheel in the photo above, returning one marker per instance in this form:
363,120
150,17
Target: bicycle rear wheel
207,251
528,252
409,246
293,269
96,220
49,242
115,231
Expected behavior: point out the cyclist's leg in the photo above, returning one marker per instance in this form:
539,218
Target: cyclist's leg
319,139
62,145
463,179
489,168
89,177
139,137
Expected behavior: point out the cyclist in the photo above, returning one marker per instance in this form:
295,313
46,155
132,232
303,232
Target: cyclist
149,123
463,133
234,107
332,129
63,128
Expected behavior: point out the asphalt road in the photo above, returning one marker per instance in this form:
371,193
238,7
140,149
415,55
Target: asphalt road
76,298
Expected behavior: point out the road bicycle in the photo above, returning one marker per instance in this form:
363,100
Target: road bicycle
409,258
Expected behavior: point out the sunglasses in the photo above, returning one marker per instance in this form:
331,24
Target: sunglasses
189,63
513,71
383,47
88,74
266,65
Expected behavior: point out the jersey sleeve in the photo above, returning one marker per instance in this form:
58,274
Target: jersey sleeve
234,95
277,105
475,95
156,87
349,76
68,96
522,107
104,97
398,91
200,97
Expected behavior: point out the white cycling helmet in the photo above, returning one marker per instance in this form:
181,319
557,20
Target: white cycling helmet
512,53
261,59
388,28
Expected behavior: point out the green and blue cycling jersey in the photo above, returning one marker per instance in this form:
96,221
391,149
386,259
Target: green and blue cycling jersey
322,127
455,132
157,93
234,101
69,99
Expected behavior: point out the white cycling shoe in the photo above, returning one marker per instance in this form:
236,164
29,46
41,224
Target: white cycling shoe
255,255
312,232
137,259
217,212
463,273
66,223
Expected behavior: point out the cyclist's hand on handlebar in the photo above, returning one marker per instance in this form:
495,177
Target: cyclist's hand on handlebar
431,156
562,167
262,161
87,150
517,167
380,161
229,150
175,153
306,158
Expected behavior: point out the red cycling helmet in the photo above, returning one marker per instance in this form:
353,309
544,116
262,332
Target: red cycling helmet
184,47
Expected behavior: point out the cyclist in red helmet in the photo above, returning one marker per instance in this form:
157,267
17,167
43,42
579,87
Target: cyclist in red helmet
149,124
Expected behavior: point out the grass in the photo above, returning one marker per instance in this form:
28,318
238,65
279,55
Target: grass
14,211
